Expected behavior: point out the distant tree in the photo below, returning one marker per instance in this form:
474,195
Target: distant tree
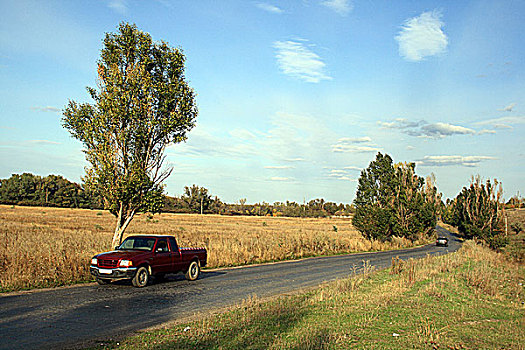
143,104
196,199
477,211
391,200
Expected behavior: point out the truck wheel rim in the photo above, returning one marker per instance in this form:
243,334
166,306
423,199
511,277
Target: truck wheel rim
142,278
193,270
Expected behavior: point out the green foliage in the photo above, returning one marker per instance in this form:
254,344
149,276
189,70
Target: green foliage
196,199
50,191
142,104
391,200
477,211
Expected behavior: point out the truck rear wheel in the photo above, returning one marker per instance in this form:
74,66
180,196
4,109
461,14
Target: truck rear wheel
193,270
141,278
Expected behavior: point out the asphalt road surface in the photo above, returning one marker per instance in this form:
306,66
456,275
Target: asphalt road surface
84,315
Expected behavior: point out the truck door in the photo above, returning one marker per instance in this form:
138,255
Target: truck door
175,253
162,259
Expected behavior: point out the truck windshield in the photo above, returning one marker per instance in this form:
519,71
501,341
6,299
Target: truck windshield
138,243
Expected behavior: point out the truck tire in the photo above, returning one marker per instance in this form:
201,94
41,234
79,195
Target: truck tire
193,270
141,278
102,281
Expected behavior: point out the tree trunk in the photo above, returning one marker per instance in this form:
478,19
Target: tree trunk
121,227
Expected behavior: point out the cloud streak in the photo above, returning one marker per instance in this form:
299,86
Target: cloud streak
342,7
119,6
297,60
503,122
46,109
422,128
341,174
422,37
269,8
508,108
466,161
355,145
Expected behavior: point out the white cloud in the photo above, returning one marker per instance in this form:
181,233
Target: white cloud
424,129
355,145
342,7
46,109
43,142
439,130
422,36
355,139
340,174
486,131
402,123
269,8
242,134
202,142
508,108
279,167
119,6
354,149
298,61
278,178
503,122
467,161
353,168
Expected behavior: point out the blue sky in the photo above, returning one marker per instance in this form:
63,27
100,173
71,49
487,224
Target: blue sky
295,97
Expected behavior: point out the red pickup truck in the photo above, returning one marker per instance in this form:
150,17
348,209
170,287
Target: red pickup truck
140,257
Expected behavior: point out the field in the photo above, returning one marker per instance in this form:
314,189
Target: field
45,247
472,299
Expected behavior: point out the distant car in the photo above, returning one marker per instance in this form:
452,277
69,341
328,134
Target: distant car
442,241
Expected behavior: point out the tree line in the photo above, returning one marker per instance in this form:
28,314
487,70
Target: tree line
57,191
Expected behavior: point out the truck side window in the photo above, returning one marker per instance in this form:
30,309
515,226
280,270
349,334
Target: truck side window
173,244
162,246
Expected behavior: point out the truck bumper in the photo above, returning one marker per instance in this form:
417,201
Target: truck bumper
118,273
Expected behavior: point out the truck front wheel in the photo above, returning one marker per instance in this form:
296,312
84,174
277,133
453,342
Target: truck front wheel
141,277
193,270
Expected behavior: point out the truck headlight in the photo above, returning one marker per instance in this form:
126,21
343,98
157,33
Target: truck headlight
125,263
94,261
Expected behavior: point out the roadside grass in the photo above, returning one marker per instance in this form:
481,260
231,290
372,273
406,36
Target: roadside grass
47,247
472,299
516,247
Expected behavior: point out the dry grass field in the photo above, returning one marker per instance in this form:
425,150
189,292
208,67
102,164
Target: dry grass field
44,247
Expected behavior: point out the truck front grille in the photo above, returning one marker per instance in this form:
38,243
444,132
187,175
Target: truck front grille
107,262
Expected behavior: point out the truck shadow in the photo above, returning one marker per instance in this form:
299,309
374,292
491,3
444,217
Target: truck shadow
170,278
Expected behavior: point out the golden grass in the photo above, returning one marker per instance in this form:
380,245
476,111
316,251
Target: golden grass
52,246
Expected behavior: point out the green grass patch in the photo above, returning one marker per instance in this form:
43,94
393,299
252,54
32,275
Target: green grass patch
472,299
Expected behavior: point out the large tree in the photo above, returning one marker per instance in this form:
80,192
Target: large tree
478,211
391,200
142,104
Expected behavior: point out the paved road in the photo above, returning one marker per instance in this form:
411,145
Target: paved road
82,315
